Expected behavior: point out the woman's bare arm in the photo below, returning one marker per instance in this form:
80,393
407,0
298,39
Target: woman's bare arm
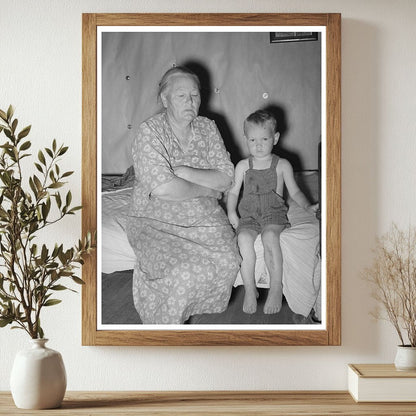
179,189
209,178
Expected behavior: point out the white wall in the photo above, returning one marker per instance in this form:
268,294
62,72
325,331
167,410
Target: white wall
40,73
242,65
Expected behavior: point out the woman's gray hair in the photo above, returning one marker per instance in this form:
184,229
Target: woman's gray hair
171,73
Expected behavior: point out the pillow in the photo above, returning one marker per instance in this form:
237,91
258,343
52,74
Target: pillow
116,182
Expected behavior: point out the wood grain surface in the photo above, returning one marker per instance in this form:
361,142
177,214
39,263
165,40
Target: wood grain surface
381,371
317,403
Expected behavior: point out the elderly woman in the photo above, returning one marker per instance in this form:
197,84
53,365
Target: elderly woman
187,258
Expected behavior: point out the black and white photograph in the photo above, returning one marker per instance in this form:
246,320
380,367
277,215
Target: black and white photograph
211,179
181,110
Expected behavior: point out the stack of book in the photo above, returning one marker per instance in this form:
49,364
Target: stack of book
381,383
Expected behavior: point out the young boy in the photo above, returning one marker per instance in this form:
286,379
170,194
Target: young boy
262,208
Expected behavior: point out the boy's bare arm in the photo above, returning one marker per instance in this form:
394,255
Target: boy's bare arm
295,193
302,201
232,200
234,192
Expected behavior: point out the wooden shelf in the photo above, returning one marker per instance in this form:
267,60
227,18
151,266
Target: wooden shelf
178,403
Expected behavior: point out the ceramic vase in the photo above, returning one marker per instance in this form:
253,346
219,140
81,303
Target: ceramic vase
405,358
38,377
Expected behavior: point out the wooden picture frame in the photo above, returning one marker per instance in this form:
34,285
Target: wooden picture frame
331,334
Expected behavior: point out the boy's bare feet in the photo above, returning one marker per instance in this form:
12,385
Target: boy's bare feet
250,301
273,302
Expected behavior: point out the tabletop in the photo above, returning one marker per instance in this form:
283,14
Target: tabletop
207,403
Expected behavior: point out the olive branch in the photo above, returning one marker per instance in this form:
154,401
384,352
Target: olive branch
31,273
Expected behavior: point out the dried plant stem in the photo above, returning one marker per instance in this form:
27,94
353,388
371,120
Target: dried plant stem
393,276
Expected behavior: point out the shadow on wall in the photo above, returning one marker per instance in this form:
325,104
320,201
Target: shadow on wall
361,173
220,119
223,126
279,114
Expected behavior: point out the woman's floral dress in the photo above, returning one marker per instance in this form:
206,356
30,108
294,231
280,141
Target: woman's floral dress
187,257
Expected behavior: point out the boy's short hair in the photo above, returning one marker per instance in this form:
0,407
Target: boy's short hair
260,118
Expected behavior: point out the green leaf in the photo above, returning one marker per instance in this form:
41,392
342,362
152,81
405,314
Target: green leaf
25,155
40,331
41,157
5,321
59,287
24,132
25,145
58,199
67,174
51,302
63,150
34,226
45,210
44,253
54,145
62,257
66,273
49,152
33,187
14,125
68,199
10,112
3,115
77,280
56,185
37,182
58,250
8,133
77,208
55,251
34,249
39,167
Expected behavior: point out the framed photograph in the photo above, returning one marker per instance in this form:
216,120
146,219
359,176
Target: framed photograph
276,37
169,100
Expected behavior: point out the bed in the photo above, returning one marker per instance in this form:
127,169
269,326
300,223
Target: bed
300,243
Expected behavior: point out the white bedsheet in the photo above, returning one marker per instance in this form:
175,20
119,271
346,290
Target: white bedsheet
117,253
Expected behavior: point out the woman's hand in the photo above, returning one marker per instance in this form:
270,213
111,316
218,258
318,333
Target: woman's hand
183,172
215,194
